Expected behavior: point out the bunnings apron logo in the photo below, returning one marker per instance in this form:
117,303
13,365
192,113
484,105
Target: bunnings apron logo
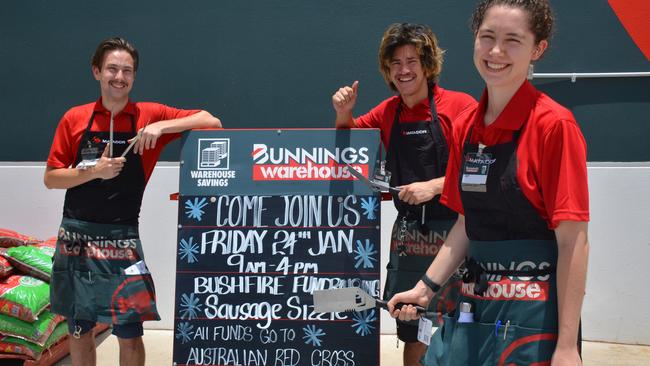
213,163
511,290
98,247
318,163
418,243
513,287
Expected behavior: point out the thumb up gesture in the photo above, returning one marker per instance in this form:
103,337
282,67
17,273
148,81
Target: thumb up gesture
345,98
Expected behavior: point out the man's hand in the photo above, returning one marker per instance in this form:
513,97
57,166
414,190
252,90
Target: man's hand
108,168
420,192
150,135
345,98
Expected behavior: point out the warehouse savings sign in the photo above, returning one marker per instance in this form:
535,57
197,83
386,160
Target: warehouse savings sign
288,220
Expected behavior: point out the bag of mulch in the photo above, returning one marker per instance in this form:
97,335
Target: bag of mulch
48,245
10,238
33,260
37,332
5,268
19,346
23,297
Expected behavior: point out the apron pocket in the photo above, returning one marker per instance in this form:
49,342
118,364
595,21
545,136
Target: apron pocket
106,298
470,343
526,346
62,293
124,299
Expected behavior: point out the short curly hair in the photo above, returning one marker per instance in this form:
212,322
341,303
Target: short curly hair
426,45
541,15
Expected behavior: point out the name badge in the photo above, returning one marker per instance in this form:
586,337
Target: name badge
90,152
425,330
475,172
137,268
381,174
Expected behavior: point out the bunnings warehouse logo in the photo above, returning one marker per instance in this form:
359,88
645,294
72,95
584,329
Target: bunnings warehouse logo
318,163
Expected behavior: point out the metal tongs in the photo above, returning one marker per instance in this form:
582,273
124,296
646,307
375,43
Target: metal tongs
135,139
374,184
354,299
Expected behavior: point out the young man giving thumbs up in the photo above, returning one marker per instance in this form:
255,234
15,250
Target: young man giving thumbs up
415,127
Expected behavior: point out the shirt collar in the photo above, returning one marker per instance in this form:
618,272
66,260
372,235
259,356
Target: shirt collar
129,108
425,102
516,112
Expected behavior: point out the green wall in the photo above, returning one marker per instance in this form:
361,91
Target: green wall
267,64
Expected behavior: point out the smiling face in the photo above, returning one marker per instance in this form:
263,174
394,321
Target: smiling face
505,46
407,75
116,75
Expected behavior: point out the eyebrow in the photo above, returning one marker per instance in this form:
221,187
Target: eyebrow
510,34
407,59
127,67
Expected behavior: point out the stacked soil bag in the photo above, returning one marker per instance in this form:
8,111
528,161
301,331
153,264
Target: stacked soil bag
28,330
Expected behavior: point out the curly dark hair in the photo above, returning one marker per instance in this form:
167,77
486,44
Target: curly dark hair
426,45
110,44
541,15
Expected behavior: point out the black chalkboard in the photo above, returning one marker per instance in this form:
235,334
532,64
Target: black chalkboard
252,248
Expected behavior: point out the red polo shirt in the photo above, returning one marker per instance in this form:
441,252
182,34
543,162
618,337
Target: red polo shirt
551,154
74,122
448,105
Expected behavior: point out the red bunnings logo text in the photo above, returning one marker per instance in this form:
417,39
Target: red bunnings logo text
507,289
307,164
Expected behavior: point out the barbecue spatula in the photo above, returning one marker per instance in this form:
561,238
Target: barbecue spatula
353,299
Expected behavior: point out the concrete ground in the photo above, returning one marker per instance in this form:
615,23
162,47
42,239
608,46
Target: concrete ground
159,351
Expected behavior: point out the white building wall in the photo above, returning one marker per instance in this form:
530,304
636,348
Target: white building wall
619,233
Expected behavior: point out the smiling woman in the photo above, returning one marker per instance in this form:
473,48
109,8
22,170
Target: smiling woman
504,47
517,178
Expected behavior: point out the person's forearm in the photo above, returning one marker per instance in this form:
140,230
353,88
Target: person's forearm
436,185
573,253
202,119
66,178
344,120
451,254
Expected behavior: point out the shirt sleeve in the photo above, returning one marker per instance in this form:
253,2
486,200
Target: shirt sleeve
381,117
164,113
62,154
563,174
372,119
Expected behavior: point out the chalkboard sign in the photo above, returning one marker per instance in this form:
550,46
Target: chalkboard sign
265,218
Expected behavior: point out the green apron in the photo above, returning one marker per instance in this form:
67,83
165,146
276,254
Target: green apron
99,272
95,275
417,152
419,249
510,277
515,322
